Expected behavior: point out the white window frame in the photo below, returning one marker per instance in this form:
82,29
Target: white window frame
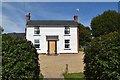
36,28
68,43
67,30
37,43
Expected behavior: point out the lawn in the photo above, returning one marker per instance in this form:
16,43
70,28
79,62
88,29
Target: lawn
41,76
74,76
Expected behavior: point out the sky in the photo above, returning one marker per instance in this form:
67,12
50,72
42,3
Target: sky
13,13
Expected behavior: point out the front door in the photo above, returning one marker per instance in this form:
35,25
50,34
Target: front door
52,47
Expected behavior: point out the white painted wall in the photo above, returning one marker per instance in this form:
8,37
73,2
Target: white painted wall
54,31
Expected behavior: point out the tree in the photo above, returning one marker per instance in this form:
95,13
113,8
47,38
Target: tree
105,23
85,35
102,58
1,29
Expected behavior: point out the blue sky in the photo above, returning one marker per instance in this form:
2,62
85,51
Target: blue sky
13,13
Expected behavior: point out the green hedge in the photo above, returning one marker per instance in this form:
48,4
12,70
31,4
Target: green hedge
102,58
19,59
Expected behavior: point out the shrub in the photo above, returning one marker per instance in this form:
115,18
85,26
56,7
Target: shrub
19,59
102,58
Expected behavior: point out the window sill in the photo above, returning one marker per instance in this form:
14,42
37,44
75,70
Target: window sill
67,49
38,49
67,35
36,35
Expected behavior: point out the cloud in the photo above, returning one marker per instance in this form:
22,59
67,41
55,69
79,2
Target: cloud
43,11
10,26
0,13
13,9
0,18
12,18
13,15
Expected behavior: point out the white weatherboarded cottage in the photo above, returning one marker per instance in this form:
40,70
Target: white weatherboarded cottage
53,36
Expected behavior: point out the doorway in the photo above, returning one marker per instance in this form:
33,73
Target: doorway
52,47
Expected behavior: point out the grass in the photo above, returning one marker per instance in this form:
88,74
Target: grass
41,76
74,76
81,49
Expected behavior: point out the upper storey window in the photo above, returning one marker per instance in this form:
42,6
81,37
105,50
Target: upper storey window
36,30
67,30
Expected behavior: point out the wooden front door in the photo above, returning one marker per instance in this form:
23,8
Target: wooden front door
52,47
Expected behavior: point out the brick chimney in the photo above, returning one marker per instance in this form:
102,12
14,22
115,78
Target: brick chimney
27,17
75,18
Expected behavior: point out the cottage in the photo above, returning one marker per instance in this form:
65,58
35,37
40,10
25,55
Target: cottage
53,36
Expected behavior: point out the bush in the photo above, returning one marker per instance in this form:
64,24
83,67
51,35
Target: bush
19,59
102,58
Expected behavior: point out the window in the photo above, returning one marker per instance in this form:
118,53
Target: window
67,41
67,30
37,43
36,30
67,44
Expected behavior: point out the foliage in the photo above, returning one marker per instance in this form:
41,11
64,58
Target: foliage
85,35
102,58
19,59
74,76
105,23
1,29
41,76
81,49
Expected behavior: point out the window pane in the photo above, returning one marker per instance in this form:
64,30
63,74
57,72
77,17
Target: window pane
36,41
67,41
37,45
36,31
67,46
67,30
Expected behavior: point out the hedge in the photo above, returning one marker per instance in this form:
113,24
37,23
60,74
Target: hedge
19,59
102,58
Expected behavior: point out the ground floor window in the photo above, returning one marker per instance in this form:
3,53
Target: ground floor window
67,44
37,43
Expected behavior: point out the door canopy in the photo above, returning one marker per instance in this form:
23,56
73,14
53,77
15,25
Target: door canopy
53,37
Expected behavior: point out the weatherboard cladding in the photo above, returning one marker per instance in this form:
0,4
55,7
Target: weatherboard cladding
51,23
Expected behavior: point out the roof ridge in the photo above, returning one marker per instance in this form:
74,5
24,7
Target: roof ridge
51,20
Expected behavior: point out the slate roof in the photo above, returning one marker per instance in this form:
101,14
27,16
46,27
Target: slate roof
52,23
20,35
